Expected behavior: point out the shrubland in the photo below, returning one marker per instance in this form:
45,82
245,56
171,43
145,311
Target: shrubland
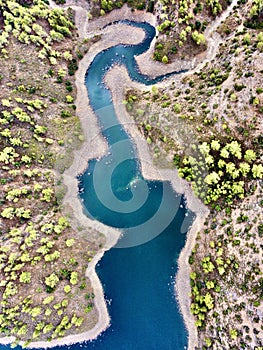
44,254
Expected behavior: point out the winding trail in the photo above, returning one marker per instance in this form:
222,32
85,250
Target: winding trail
213,38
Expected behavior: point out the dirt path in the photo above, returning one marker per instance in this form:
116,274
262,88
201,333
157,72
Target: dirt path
213,38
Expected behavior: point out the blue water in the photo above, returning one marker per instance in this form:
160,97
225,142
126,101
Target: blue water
138,273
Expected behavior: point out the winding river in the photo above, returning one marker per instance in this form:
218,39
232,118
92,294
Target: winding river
138,273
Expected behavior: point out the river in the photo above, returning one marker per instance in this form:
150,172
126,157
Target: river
138,274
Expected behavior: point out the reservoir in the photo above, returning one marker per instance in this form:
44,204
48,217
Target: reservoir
138,273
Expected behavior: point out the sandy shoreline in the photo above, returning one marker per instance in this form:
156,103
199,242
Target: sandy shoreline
95,146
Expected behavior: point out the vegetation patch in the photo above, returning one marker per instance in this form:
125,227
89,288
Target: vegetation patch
44,291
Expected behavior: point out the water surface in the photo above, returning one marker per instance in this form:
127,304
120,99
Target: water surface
138,273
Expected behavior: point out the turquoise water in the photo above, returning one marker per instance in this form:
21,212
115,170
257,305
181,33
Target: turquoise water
138,273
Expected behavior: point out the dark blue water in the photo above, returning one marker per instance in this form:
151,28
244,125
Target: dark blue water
138,273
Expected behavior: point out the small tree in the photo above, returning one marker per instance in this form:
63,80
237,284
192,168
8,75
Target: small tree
25,277
67,289
74,278
52,280
165,59
198,38
250,155
257,171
